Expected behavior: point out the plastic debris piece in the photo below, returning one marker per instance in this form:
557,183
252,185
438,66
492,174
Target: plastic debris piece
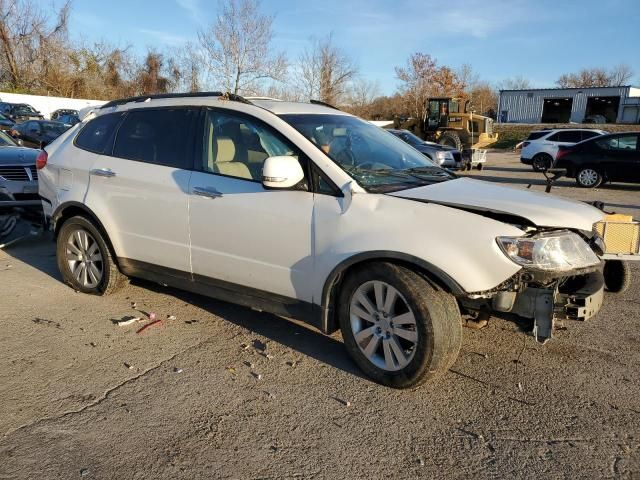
152,316
244,346
134,305
520,387
258,376
171,317
269,356
155,322
130,367
127,320
177,370
84,472
346,403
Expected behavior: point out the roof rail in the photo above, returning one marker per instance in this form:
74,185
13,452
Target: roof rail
144,98
324,104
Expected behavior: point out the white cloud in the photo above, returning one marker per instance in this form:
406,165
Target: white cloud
192,7
166,38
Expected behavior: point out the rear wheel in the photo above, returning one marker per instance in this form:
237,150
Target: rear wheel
84,259
399,329
451,139
588,178
541,162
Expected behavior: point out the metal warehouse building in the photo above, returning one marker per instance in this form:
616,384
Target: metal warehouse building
575,105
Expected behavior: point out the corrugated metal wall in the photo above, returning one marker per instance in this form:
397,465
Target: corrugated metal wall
525,106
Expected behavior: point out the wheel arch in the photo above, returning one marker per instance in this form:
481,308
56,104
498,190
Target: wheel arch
436,276
71,209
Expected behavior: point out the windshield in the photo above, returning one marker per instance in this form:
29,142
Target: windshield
373,157
6,140
22,109
53,128
411,138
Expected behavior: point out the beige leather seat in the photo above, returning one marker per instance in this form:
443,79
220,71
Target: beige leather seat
224,160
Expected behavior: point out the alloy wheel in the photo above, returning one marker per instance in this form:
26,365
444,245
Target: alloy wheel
383,325
84,258
588,177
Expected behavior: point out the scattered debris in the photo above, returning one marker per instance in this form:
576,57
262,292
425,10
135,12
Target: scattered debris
44,321
84,472
244,346
134,305
346,403
421,462
130,367
189,322
231,369
249,364
126,320
257,376
171,317
92,344
270,395
258,345
154,322
520,387
483,355
268,356
177,370
476,325
294,363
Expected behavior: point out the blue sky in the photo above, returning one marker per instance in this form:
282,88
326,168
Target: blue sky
538,39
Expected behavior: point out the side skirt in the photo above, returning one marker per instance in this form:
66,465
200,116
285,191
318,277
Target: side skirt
225,291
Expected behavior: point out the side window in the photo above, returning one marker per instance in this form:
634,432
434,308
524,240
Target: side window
237,146
587,135
322,184
97,135
160,136
623,142
554,138
570,136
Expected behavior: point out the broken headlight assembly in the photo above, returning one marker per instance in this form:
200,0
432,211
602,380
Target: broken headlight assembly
558,251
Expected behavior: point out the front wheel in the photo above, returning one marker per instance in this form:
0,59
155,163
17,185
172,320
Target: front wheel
398,328
588,178
84,259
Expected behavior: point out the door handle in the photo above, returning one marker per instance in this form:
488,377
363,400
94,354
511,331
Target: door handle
208,192
102,172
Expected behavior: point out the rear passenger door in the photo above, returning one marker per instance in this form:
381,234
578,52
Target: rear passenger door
621,157
139,188
246,238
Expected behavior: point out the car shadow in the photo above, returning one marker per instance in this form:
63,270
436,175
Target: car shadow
39,253
304,340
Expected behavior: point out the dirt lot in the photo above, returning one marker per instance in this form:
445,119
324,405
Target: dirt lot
198,397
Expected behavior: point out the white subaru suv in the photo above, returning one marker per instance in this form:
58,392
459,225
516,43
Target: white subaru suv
307,212
541,146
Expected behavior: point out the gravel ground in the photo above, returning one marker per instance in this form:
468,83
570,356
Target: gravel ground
221,391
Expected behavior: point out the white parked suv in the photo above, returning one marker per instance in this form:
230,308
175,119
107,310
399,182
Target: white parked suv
308,212
541,146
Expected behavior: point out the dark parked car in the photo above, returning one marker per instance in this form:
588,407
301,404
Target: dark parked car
62,112
607,158
18,177
6,123
38,133
68,119
443,155
20,112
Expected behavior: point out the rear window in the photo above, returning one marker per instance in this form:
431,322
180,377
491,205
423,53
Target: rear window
536,135
159,136
625,142
97,135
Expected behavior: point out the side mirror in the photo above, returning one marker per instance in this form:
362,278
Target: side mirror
281,172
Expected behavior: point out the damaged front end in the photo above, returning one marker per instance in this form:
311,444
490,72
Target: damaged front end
561,279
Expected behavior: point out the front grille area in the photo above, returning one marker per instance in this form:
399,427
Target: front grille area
457,156
16,174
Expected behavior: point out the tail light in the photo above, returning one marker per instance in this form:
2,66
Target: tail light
562,152
525,144
41,160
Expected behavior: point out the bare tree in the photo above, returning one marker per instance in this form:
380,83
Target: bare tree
237,47
620,75
515,83
28,40
422,78
185,68
596,77
324,71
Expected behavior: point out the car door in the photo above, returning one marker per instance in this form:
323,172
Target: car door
621,161
244,237
139,190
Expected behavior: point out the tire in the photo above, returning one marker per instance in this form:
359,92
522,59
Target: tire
480,166
427,347
79,238
541,162
617,276
451,139
588,177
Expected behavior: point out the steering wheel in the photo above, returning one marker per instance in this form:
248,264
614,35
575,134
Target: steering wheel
345,157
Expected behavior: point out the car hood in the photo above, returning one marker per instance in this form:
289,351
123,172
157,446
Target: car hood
541,209
18,156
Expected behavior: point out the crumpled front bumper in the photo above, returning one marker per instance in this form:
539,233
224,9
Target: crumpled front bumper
578,298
